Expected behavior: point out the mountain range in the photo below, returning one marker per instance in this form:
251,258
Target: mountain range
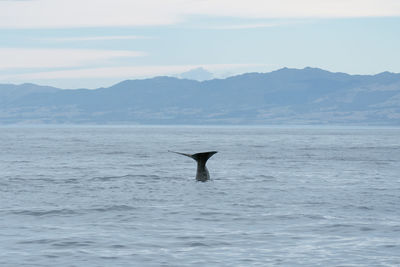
284,96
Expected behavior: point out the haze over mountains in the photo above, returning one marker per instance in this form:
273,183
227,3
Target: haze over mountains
285,96
197,74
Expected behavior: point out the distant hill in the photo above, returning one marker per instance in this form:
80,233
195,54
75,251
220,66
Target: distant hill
285,96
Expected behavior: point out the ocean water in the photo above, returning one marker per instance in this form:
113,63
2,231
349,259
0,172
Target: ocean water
115,196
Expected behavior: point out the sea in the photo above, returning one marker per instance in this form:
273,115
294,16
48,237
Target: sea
278,196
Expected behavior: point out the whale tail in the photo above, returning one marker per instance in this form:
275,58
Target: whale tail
203,156
199,157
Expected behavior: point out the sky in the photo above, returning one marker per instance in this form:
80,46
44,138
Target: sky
96,43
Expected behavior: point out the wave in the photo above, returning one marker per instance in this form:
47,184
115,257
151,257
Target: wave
70,212
108,178
63,242
128,176
112,208
115,153
39,213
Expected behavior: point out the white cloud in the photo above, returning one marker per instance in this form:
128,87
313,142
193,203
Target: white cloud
297,8
96,38
87,13
58,58
92,13
254,25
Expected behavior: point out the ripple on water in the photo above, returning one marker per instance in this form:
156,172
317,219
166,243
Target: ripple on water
115,153
366,228
59,242
118,246
39,213
188,237
72,244
113,208
110,178
36,241
136,177
195,244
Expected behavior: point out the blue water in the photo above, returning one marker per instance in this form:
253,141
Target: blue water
114,196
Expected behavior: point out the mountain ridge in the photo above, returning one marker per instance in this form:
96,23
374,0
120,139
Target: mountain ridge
284,96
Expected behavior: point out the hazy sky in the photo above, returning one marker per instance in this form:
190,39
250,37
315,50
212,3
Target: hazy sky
93,43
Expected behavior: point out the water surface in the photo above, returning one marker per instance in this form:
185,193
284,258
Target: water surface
114,196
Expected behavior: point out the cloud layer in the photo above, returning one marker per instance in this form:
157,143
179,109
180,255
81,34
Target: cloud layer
14,58
119,72
97,13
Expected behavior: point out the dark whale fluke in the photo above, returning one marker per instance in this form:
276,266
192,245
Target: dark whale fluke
201,158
